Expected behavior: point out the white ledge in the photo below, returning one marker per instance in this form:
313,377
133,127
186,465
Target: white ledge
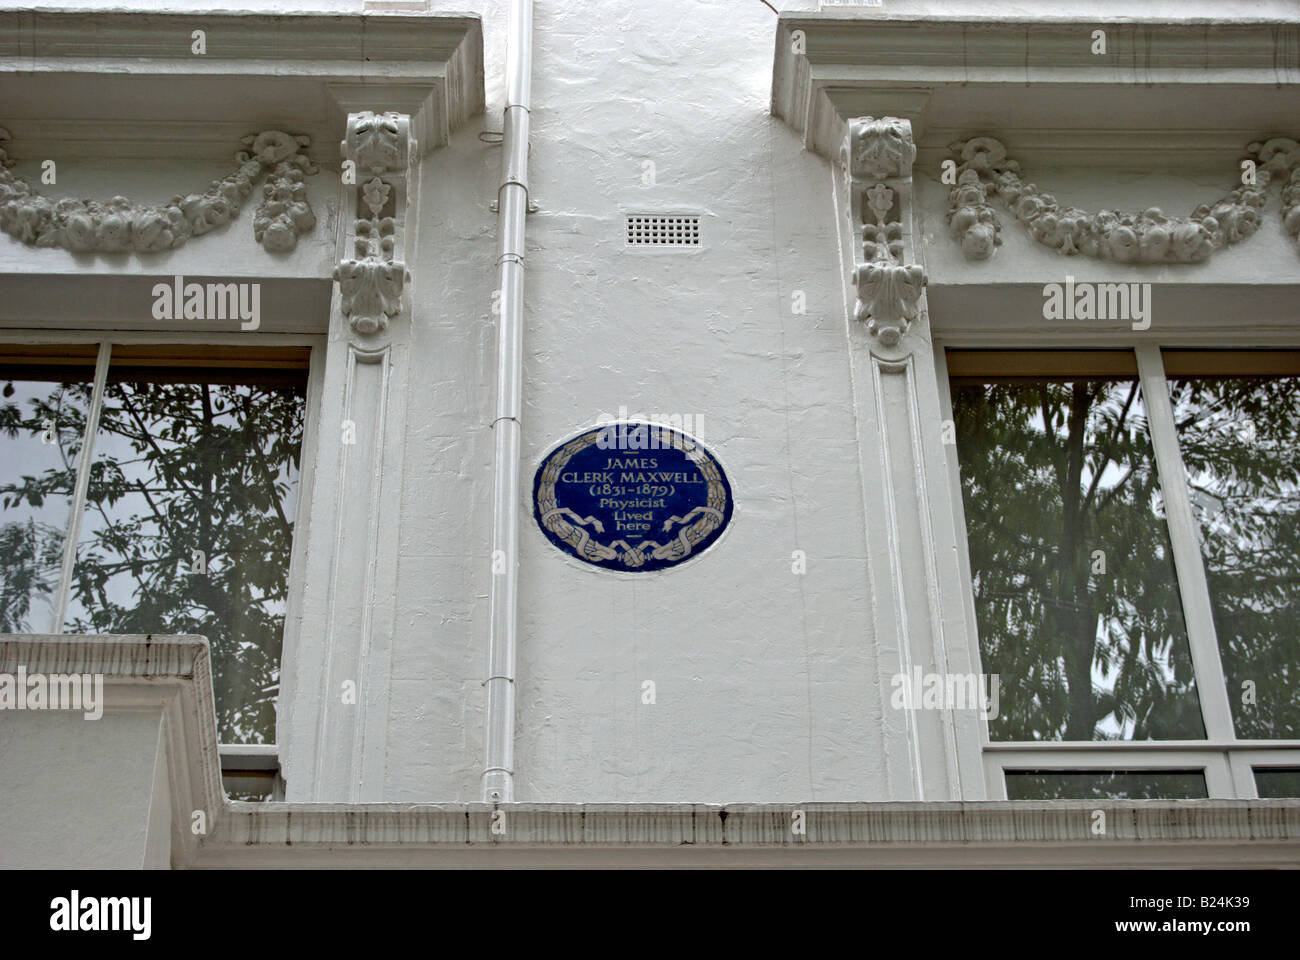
1192,833
992,825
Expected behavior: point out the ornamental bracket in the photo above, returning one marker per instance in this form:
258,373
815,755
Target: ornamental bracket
377,151
876,158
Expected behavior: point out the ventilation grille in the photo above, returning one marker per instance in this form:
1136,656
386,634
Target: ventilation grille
650,230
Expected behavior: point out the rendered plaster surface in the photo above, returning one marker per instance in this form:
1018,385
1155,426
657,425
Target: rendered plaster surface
80,792
767,686
762,677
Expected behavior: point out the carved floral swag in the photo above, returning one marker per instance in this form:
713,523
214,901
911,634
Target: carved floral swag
119,224
983,168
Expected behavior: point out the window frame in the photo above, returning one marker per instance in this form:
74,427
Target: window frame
104,341
1226,761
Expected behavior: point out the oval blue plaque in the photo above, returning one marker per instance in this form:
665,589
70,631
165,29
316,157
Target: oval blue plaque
632,496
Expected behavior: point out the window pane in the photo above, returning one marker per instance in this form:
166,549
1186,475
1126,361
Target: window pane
1277,784
42,422
1240,441
1076,599
188,523
1106,785
249,784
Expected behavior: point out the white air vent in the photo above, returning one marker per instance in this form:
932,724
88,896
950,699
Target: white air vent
658,230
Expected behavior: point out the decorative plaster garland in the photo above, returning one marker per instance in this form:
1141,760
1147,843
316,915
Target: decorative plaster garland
1146,237
119,224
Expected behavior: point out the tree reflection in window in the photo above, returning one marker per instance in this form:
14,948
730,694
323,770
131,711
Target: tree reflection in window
1106,785
1076,600
43,404
1240,442
187,525
1277,784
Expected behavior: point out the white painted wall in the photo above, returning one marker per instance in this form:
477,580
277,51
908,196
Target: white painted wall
765,686
768,686
81,792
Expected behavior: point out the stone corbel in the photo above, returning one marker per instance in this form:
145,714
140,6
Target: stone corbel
876,158
377,152
984,170
119,224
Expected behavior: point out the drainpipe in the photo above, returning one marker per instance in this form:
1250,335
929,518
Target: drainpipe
512,207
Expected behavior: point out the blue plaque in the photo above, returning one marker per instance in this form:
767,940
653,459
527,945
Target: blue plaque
632,496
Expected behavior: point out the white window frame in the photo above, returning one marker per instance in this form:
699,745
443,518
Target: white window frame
1226,761
105,341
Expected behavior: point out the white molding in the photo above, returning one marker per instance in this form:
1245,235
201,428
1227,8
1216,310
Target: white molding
919,617
984,172
299,559
310,70
936,71
333,750
1056,833
958,508
354,545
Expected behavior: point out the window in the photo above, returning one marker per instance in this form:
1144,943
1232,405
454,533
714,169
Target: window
1277,784
1105,785
1239,434
1075,590
1133,530
152,489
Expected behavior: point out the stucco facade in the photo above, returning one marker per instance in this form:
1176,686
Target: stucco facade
844,563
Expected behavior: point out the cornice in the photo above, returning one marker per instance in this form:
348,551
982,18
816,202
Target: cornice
117,656
762,824
1162,84
85,70
1049,43
1219,833
298,42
